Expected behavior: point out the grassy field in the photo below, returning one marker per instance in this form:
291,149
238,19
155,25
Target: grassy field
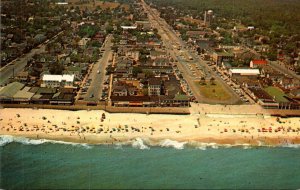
278,93
213,92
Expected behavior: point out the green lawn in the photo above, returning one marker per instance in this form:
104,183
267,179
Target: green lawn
213,92
277,92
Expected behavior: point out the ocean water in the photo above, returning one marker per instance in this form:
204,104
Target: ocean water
35,164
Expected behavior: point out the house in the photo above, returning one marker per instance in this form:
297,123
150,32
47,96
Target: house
154,54
77,71
119,91
258,63
128,27
133,91
22,76
161,62
141,76
82,43
250,28
123,42
154,86
196,34
55,81
133,54
219,57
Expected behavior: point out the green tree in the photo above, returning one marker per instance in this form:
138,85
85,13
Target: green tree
136,70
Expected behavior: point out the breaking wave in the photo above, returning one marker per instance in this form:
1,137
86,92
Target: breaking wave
7,139
140,143
173,144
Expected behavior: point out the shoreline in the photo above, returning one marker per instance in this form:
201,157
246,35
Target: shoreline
87,127
146,143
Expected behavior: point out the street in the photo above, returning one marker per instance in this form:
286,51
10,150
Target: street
17,65
97,74
175,48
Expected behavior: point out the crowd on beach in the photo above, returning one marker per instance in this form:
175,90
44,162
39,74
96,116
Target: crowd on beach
102,127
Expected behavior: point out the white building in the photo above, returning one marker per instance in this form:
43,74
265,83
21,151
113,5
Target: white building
244,72
128,27
54,81
62,3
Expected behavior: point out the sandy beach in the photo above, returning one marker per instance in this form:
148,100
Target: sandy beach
201,126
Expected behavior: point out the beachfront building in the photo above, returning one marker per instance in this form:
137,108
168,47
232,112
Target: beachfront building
151,101
24,95
55,81
7,92
263,98
154,87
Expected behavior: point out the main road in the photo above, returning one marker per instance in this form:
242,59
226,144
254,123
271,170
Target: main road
172,43
97,74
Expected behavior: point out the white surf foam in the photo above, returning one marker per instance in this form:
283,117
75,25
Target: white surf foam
173,144
6,139
291,145
139,143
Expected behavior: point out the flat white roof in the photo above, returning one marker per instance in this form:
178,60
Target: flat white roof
59,78
129,27
245,71
62,3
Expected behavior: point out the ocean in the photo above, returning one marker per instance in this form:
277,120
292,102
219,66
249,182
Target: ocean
42,164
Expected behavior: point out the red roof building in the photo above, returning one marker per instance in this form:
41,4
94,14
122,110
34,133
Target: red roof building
257,63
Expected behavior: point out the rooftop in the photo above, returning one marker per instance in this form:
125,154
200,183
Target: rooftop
24,94
155,81
11,89
128,27
59,78
245,71
259,62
